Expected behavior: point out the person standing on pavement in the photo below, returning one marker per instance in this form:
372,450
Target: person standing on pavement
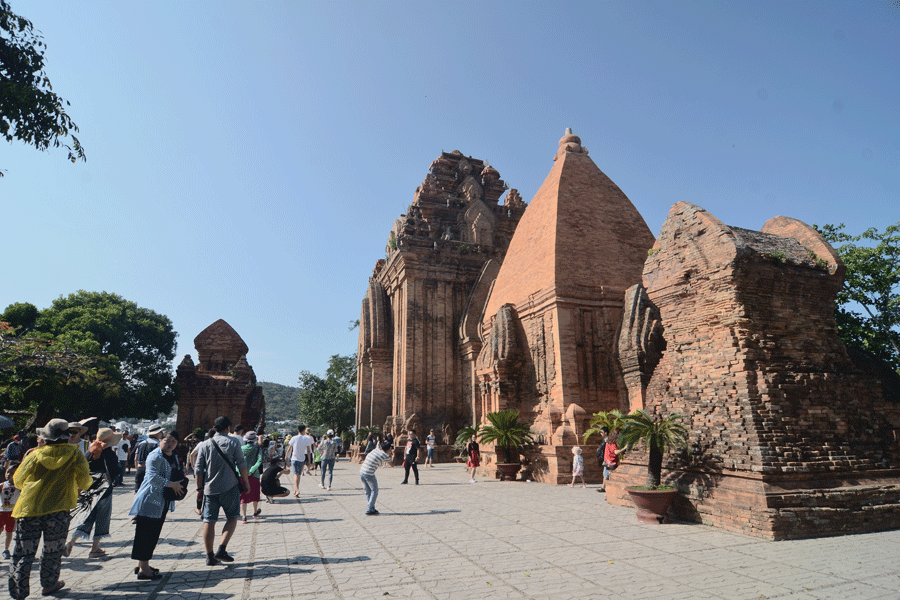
374,459
122,457
474,461
328,449
49,478
154,434
151,505
218,485
298,450
411,456
430,445
94,510
253,456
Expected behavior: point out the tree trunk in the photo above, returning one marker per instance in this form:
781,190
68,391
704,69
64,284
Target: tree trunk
654,467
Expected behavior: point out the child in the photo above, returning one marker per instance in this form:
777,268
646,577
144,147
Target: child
8,496
577,466
374,459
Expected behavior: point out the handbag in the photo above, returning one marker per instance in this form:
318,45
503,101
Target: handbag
168,493
230,464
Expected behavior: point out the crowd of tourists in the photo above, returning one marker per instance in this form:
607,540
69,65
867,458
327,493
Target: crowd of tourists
61,490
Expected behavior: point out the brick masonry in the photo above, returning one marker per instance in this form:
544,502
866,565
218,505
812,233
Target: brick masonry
221,383
788,438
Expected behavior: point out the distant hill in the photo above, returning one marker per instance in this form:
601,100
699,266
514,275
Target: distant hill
281,401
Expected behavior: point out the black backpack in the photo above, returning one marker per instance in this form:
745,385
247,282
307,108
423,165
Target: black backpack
601,450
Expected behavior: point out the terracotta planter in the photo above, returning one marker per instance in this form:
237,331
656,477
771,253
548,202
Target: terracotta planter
652,505
508,470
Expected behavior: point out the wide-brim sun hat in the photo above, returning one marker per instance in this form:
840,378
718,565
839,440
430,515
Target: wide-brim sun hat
75,425
330,432
54,431
250,437
109,436
155,428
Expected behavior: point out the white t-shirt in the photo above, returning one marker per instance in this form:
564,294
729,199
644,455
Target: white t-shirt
121,454
300,445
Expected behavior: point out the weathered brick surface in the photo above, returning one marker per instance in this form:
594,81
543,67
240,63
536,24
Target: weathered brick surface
415,364
577,249
222,383
781,422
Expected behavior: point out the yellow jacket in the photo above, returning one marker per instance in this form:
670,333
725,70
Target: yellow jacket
49,479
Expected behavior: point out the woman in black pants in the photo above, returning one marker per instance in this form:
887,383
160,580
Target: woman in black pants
150,505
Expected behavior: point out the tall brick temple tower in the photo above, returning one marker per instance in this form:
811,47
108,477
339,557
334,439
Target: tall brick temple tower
418,334
222,383
551,322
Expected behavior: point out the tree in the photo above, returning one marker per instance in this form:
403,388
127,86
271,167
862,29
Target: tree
330,401
872,283
91,351
658,434
507,431
29,109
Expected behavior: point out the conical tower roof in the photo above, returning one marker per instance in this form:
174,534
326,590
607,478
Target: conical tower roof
579,235
221,337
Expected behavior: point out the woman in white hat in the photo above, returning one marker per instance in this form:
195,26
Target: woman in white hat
94,510
253,454
49,478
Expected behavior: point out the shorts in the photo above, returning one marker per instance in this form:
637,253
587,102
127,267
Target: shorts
229,501
7,523
297,467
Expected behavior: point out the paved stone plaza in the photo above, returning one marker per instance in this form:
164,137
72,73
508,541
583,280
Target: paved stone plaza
448,539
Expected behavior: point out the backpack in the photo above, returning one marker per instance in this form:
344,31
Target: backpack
601,450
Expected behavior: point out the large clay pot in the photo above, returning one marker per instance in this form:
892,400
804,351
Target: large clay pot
508,470
652,505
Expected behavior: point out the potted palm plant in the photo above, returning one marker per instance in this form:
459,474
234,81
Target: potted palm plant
659,434
509,432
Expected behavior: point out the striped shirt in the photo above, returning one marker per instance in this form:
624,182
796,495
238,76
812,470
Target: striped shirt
374,459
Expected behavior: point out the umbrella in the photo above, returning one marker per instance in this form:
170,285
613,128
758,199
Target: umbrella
6,423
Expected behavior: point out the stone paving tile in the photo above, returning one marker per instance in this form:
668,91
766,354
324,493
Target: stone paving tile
448,540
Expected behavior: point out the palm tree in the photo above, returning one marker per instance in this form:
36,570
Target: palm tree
465,435
612,420
658,434
508,431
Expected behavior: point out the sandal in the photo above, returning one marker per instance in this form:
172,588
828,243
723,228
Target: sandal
137,570
98,553
258,512
53,588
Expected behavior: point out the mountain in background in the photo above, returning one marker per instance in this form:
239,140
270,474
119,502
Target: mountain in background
281,401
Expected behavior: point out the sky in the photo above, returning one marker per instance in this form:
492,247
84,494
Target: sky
246,160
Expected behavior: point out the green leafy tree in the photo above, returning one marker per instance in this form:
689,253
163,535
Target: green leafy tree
612,420
330,401
91,352
867,309
29,109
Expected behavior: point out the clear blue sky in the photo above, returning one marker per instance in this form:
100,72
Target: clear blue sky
246,160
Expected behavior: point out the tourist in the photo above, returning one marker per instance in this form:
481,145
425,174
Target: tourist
15,451
49,478
151,505
375,458
253,456
371,442
338,447
219,487
430,442
76,431
411,456
132,446
94,510
473,451
328,451
577,466
9,493
238,434
122,457
154,434
298,449
270,485
317,455
611,456
601,450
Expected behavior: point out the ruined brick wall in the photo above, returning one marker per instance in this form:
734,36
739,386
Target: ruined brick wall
777,412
